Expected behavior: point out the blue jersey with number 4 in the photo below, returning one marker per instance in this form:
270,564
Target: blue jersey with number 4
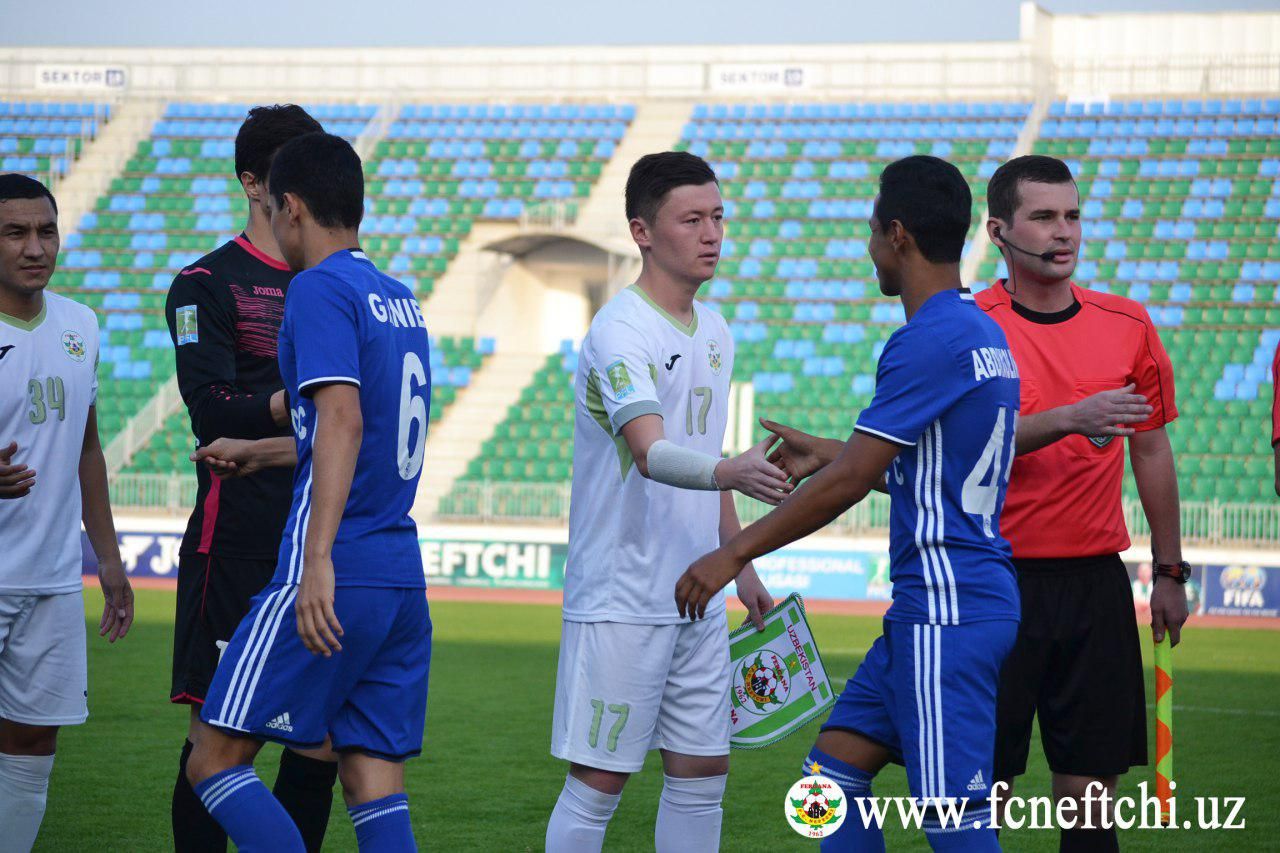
947,393
345,322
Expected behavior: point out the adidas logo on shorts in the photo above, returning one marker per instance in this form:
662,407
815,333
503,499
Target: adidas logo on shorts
975,784
281,723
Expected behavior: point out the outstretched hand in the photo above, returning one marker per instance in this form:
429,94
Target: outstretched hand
754,475
699,584
1109,412
798,454
228,457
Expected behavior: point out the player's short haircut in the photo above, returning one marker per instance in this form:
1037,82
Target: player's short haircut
14,186
655,175
264,130
932,201
1002,189
324,171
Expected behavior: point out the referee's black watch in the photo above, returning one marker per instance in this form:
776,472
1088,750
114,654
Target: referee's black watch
1180,572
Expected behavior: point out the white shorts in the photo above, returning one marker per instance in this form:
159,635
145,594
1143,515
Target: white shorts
622,690
43,669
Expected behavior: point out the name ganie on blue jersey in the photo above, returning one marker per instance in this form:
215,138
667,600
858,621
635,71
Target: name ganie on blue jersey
346,322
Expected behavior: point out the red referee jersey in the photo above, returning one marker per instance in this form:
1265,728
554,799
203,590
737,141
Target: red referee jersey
1275,399
1064,499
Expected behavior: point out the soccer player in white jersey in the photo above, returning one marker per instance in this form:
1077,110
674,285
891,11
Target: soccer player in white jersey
650,493
52,477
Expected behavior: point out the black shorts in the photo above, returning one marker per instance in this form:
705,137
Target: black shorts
213,596
1077,664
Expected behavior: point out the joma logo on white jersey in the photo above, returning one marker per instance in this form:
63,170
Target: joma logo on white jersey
993,361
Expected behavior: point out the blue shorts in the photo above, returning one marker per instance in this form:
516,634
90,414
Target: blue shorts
370,697
928,694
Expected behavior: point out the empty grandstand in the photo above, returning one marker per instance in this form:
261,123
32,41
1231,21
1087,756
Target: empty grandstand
493,189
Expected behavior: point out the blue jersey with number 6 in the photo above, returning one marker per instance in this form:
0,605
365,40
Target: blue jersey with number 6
345,322
947,393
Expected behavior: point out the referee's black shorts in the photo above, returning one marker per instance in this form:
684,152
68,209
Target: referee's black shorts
1077,664
213,596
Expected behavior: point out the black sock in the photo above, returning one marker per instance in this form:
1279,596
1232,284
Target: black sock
1089,841
194,829
305,789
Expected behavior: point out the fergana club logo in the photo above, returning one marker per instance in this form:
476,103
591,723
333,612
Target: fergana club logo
713,357
815,807
764,684
74,345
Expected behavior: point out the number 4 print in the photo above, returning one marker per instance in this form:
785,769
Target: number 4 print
593,737
976,497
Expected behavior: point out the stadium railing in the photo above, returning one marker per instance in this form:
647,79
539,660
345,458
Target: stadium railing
1211,523
152,493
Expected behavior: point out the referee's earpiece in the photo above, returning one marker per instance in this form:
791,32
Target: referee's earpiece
1011,279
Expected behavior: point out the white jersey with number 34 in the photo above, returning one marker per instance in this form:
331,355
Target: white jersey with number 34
631,538
48,373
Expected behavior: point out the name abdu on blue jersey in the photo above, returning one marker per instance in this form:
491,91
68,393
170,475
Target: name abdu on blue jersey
947,392
347,322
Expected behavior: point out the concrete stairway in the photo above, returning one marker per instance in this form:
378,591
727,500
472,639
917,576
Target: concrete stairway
104,158
657,126
456,439
1027,137
459,296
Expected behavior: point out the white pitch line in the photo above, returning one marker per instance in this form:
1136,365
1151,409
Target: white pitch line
1241,712
1194,709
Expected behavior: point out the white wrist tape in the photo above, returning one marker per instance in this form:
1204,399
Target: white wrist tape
681,467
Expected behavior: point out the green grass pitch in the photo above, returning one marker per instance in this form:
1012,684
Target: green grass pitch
487,782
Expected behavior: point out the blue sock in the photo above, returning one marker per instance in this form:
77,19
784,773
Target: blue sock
852,836
973,831
252,818
966,840
383,825
965,837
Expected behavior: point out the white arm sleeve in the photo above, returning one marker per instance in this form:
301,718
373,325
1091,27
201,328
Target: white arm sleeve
681,467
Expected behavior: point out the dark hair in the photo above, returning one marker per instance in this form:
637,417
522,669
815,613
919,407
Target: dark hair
1002,189
324,171
932,201
14,185
264,130
655,175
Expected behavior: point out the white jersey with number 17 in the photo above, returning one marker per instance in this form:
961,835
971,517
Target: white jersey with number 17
631,538
48,377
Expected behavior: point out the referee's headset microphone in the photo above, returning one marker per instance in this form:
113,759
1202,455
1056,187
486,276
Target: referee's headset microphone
1044,256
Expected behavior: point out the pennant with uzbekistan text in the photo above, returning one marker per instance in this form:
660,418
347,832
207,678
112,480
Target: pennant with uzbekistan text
779,683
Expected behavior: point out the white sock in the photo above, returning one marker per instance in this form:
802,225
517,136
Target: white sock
580,818
24,787
689,815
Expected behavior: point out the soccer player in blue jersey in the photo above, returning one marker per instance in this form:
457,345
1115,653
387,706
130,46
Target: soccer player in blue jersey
939,434
350,667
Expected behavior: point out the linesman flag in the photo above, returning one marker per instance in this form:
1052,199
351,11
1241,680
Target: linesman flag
779,683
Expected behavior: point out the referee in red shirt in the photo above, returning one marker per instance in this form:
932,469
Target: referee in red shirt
1093,372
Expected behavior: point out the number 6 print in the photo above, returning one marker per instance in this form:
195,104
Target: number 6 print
413,410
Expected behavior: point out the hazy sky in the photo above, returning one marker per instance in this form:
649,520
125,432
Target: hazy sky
436,23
